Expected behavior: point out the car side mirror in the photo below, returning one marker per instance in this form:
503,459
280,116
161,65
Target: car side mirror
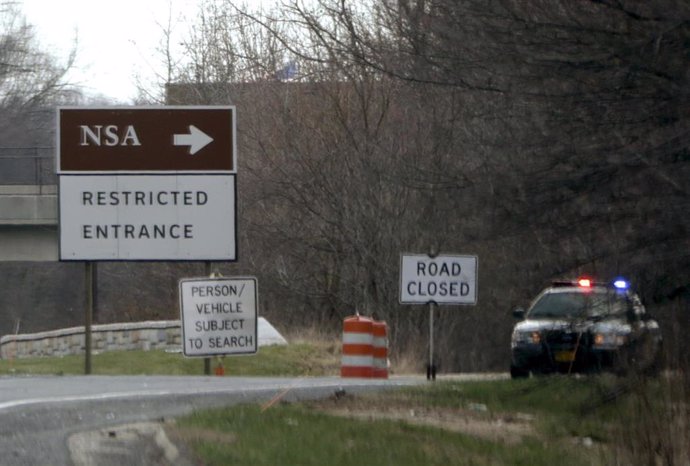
519,313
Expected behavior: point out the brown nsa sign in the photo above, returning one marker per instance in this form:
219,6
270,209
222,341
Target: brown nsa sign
146,139
147,183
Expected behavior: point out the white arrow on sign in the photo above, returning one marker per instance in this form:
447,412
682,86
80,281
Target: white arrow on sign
195,139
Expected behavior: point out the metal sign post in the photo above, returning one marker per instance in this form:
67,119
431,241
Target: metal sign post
431,368
207,360
88,317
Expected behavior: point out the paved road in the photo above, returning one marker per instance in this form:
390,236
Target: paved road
116,420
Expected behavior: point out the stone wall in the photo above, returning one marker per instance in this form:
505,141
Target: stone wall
149,335
109,337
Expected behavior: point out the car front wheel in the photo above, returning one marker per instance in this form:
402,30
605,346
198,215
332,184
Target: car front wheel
518,372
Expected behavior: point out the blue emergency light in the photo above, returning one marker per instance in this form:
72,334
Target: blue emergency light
620,284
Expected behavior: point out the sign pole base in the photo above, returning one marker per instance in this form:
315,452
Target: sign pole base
88,315
431,367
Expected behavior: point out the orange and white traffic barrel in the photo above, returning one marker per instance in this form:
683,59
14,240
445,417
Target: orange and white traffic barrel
358,347
380,331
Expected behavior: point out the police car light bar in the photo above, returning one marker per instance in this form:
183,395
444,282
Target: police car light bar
618,283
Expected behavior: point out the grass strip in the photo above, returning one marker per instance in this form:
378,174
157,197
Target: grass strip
287,360
295,434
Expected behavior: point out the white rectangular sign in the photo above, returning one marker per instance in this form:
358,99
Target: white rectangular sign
219,316
147,217
447,279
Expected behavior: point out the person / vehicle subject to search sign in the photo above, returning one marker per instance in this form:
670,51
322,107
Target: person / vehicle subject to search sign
219,316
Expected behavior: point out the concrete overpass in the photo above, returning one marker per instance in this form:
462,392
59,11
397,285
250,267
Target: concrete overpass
28,205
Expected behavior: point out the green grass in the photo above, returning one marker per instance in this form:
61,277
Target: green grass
561,403
293,434
290,360
306,434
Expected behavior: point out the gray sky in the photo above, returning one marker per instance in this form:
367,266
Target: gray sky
116,40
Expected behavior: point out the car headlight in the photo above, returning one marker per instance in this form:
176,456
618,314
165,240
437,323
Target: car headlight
525,338
609,340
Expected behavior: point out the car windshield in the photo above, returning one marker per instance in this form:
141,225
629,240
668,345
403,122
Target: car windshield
569,304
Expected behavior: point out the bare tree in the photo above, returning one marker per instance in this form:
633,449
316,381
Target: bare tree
549,138
30,80
571,131
28,75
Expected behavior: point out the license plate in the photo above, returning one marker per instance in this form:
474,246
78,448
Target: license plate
564,356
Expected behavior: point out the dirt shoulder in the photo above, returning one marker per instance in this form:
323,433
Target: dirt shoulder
473,420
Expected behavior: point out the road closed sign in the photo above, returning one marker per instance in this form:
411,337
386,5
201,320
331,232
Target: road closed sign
446,279
219,316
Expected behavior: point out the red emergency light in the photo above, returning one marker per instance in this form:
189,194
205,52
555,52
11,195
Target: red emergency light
584,282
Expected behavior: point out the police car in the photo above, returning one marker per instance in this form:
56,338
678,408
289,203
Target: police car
582,326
